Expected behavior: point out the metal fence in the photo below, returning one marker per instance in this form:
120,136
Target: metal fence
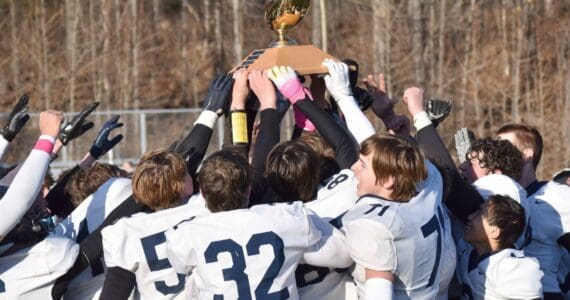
143,130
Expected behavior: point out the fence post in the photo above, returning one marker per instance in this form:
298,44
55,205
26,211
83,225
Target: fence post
142,125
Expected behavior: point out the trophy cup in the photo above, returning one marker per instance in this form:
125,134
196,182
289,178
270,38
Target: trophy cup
280,17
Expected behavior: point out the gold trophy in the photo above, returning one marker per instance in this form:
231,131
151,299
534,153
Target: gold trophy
280,17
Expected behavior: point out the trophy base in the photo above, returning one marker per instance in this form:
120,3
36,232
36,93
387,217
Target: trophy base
278,43
305,59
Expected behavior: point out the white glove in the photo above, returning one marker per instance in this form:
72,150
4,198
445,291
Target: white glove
337,81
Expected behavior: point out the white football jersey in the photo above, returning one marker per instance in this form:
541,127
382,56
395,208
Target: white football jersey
246,253
506,274
411,239
83,220
497,184
137,244
549,220
334,199
87,217
31,272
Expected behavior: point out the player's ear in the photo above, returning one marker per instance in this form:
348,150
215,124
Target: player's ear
528,154
494,232
389,183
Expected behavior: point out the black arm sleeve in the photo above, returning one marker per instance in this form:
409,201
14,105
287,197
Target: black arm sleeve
460,196
267,139
346,153
564,241
91,248
194,146
59,201
119,284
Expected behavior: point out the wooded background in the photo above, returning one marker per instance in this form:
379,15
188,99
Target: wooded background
499,61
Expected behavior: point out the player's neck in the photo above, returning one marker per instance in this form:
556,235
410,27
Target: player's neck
528,175
483,248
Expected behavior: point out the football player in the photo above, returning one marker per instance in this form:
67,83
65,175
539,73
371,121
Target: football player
398,216
489,267
30,260
134,247
243,253
549,207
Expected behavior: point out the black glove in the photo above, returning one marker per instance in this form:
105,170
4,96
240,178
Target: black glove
102,144
437,110
78,125
18,118
217,99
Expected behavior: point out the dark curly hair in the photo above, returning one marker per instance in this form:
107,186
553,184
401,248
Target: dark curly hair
498,155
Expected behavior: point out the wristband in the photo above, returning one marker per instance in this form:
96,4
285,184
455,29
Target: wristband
45,143
239,127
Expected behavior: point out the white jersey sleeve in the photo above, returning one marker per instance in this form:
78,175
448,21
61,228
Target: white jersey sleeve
330,250
87,217
31,272
549,220
23,190
3,146
507,274
371,245
518,277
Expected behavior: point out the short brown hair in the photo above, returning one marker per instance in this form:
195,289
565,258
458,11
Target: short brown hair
224,180
159,179
325,153
498,155
527,137
508,216
86,181
399,158
293,170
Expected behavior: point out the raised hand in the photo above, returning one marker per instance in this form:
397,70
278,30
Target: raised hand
240,90
263,89
17,119
414,97
286,80
78,125
337,81
50,122
382,106
102,144
437,110
217,98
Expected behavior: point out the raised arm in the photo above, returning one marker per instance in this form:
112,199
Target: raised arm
28,182
338,85
460,196
286,80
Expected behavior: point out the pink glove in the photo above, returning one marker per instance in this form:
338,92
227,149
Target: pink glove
288,83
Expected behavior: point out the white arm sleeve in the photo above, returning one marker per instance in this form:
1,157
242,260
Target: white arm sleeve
330,250
371,245
358,125
378,288
23,190
3,146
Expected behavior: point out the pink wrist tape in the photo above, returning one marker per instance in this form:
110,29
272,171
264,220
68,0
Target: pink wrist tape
44,145
302,121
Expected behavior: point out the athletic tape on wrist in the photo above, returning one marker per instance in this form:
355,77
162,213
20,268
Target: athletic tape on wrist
239,127
44,145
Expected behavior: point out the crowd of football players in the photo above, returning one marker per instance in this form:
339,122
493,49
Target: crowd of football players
339,211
